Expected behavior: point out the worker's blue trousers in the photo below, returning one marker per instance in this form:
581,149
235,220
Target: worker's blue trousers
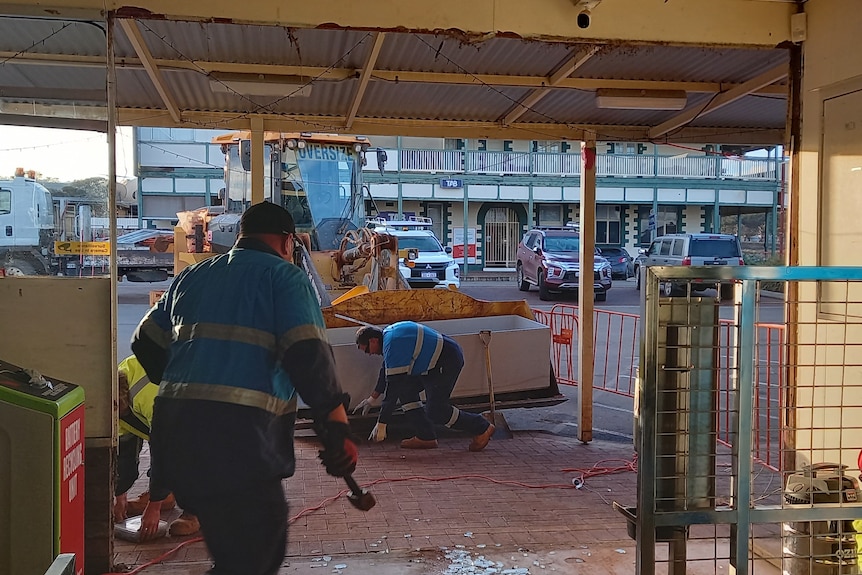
438,385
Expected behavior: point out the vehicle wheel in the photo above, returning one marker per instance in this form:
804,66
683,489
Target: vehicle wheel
667,289
726,292
20,268
637,279
544,293
523,285
602,296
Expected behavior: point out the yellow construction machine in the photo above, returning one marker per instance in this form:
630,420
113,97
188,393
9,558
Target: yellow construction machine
355,270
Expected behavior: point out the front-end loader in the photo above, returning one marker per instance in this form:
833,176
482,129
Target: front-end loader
354,269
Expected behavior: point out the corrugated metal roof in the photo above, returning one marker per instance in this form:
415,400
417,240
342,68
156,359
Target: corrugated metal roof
420,78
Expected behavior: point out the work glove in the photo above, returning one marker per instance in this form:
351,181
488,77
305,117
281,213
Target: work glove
339,453
366,404
378,434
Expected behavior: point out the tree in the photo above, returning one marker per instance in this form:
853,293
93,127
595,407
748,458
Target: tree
93,189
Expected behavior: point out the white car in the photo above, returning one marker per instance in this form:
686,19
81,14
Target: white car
434,267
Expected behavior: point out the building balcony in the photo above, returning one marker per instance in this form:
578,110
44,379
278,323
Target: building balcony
469,162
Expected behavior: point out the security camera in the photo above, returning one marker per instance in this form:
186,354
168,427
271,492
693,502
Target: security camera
584,19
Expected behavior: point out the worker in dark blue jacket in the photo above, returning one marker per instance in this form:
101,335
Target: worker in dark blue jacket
232,342
417,358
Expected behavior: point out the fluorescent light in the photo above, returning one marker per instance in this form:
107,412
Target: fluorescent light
261,85
617,99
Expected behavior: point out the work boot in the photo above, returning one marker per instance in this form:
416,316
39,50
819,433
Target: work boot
416,443
481,441
185,524
136,506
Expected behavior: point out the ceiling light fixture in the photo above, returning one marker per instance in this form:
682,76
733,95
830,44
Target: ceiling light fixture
620,99
261,85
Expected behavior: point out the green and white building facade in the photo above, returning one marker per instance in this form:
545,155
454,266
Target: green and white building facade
491,191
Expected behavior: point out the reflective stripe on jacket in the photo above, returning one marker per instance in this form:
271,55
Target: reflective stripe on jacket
142,395
410,347
226,325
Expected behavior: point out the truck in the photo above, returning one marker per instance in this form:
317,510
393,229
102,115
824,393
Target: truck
45,235
356,268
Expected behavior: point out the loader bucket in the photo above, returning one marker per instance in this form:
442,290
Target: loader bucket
385,307
519,345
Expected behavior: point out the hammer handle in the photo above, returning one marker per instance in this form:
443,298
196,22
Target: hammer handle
351,483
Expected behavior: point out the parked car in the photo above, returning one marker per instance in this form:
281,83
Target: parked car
694,250
638,263
622,263
548,258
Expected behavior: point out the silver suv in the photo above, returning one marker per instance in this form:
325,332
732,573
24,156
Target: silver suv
694,250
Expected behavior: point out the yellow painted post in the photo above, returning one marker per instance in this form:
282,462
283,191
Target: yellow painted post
256,159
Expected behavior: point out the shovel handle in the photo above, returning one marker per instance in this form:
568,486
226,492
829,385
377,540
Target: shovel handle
485,336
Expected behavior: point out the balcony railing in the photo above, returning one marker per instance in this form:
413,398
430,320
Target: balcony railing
569,164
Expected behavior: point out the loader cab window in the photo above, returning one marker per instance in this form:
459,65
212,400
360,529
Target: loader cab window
239,181
328,178
5,202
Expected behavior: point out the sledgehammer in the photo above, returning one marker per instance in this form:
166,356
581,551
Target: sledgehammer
358,497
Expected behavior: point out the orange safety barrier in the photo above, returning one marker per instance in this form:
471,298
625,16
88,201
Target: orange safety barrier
617,339
768,400
615,358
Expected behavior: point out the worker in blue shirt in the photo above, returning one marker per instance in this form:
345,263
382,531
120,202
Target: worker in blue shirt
417,358
232,342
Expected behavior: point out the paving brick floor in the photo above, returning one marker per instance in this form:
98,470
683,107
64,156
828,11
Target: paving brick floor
446,511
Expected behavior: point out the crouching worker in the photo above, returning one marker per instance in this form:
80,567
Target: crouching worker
417,358
136,415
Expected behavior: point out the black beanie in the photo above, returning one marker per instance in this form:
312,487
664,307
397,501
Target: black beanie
266,218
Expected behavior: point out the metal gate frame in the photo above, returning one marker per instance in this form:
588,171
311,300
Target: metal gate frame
507,235
740,514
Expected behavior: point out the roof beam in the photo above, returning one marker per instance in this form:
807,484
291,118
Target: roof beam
443,128
364,77
335,74
55,94
562,71
696,22
721,100
133,33
53,122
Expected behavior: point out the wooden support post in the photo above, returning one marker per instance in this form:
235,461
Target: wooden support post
586,341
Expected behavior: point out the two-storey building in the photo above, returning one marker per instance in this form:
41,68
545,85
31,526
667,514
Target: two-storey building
491,191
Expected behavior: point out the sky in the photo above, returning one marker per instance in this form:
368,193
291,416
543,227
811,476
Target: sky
67,155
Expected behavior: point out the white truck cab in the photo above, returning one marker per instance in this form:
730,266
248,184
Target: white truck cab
26,226
434,266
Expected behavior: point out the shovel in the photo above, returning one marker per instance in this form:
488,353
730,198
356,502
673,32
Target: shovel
502,430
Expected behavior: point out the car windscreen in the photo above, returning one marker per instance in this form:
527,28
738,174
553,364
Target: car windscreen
714,247
421,243
561,244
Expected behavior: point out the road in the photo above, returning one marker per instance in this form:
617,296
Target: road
612,413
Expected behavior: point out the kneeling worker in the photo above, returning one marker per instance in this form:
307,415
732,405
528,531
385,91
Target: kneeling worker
137,395
416,357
